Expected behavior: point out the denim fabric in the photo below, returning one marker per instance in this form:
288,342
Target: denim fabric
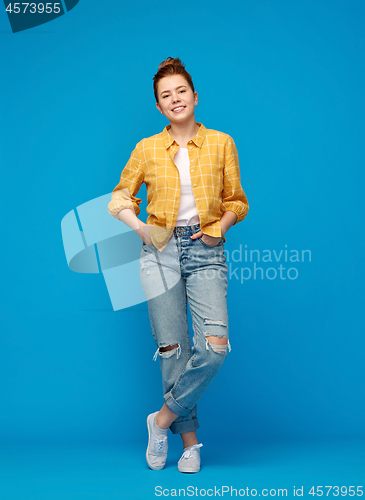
193,271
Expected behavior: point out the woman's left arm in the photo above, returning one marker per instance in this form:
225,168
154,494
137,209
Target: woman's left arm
233,196
228,220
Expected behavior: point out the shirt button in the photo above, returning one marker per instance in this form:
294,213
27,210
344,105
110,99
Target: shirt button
193,170
201,214
191,147
194,184
197,199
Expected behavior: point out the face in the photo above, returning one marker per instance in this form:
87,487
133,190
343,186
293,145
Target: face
176,100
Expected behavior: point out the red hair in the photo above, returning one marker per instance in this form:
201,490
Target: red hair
168,67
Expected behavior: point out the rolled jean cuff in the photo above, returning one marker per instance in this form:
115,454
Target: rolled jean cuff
175,407
184,426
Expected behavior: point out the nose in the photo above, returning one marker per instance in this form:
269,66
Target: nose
175,98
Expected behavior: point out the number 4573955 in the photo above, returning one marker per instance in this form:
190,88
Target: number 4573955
34,8
336,491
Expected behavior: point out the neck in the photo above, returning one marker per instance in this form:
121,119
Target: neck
183,132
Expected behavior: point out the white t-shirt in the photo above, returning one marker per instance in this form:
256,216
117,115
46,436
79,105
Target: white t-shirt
188,211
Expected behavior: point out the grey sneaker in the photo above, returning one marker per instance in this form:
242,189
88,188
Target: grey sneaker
190,460
156,453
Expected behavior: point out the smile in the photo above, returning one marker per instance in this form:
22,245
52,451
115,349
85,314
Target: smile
177,110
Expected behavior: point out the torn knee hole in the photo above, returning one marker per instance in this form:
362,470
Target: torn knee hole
218,344
166,351
213,339
168,347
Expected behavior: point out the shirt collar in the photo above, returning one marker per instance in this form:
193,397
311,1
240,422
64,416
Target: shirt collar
197,140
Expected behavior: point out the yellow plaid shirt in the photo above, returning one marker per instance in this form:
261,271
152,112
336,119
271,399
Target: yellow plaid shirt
215,180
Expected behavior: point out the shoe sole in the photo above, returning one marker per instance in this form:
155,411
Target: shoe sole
153,467
189,471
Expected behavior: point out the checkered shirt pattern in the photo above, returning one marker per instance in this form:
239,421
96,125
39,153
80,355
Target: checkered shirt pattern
214,173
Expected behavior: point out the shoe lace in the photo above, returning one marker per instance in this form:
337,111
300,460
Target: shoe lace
160,445
189,452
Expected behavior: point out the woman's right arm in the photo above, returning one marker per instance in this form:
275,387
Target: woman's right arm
131,179
124,205
127,216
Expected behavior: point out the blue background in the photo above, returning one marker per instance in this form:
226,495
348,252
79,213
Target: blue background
285,79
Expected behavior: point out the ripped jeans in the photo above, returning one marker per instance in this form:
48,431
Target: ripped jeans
186,270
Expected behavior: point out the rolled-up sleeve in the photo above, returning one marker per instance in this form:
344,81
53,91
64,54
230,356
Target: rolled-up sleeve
233,196
131,179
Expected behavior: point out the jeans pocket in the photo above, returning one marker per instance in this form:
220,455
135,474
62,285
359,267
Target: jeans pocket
210,246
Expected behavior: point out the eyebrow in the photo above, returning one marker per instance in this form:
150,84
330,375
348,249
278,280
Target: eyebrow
179,87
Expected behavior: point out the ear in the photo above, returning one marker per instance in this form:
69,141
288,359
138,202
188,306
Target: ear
159,107
195,98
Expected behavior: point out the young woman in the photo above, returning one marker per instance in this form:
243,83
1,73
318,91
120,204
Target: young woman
194,196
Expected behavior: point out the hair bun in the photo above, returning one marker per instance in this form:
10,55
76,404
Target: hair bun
174,61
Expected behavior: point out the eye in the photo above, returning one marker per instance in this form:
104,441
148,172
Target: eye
182,90
163,97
